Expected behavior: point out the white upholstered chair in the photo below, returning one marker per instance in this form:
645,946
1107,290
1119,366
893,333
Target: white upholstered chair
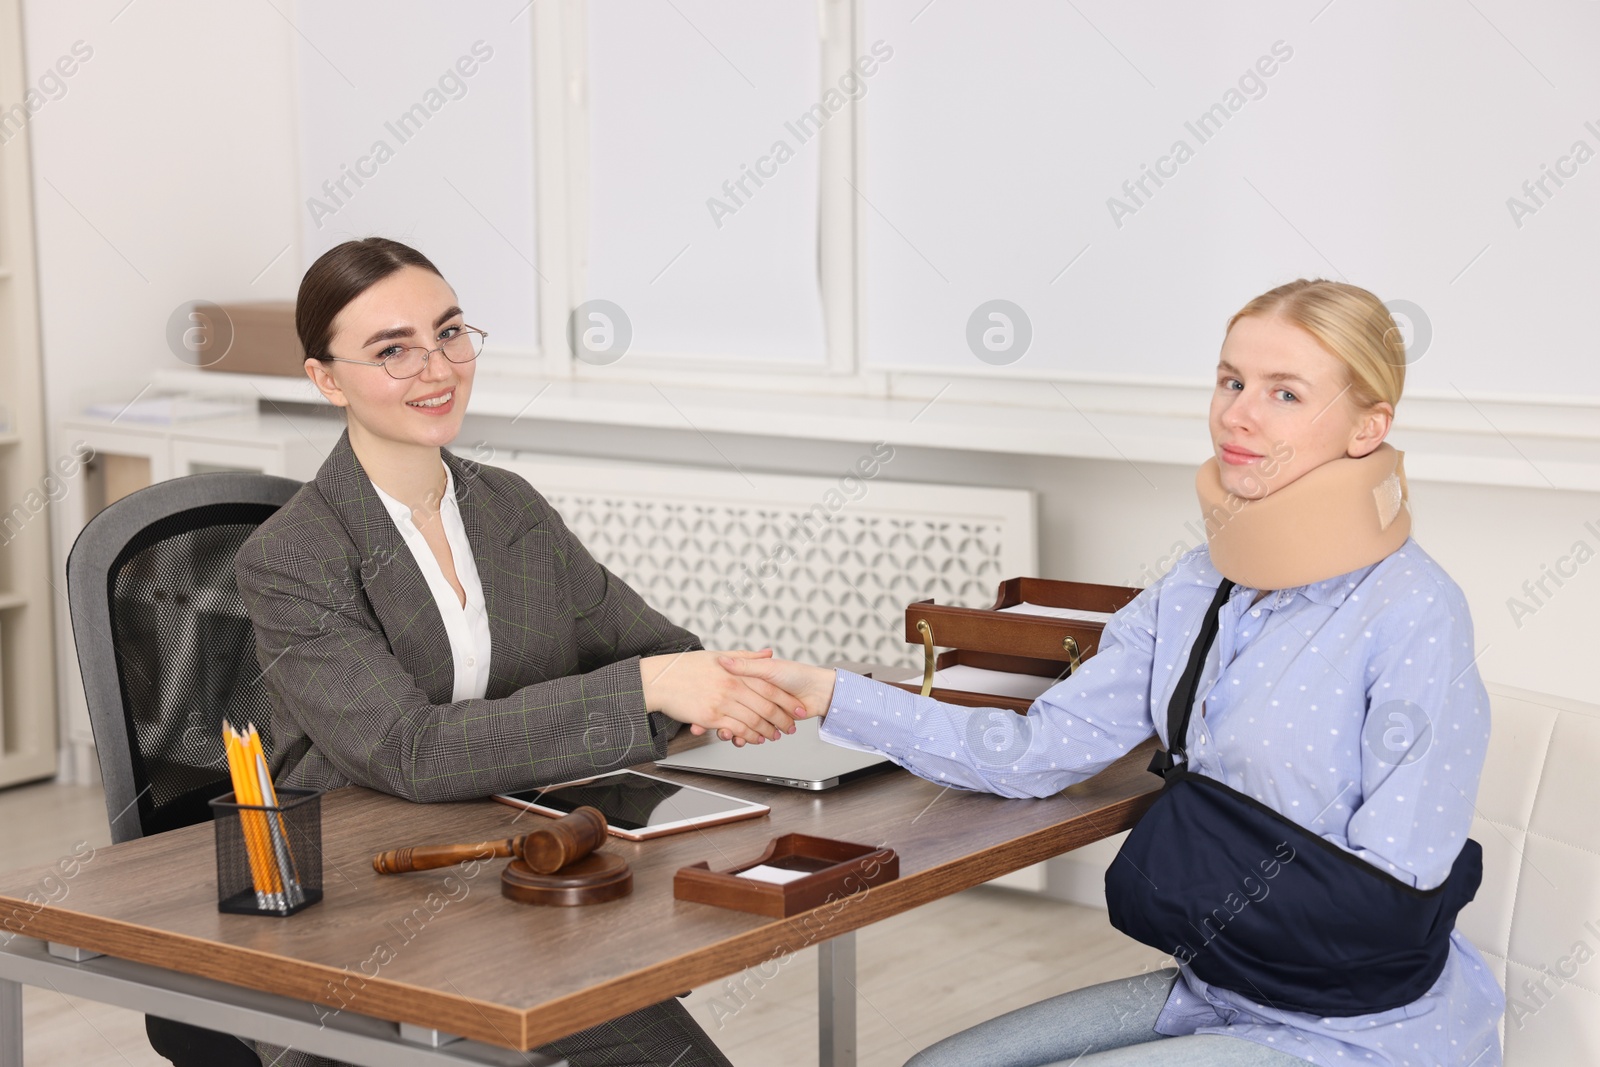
1536,918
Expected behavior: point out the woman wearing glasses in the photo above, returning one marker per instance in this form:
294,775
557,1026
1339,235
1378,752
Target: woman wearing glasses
429,627
1310,670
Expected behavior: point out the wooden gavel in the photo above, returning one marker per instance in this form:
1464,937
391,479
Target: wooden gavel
546,850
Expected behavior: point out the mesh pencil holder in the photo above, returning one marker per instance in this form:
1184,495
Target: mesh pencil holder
269,859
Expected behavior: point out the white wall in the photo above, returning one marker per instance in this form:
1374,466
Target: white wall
460,187
1375,143
164,174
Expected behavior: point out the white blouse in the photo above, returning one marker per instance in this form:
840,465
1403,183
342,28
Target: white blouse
467,626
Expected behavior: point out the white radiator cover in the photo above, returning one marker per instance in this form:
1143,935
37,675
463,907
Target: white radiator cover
819,569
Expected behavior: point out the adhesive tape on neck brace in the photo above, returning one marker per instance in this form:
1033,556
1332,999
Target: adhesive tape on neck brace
1334,519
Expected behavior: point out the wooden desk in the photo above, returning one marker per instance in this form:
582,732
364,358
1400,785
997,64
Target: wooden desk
442,952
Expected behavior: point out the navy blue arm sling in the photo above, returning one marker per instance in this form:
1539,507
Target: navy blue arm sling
1256,904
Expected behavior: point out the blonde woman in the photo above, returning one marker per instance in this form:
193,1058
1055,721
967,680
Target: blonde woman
1310,670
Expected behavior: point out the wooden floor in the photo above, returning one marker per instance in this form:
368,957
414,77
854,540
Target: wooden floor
921,976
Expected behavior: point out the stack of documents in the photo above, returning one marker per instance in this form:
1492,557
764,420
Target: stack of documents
1072,614
166,410
994,683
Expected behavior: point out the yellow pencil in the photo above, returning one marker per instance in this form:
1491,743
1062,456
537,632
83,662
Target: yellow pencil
230,741
250,823
287,881
253,758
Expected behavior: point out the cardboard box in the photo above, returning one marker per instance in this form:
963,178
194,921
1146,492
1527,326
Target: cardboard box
250,338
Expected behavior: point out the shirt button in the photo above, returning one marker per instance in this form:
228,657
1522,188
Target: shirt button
1256,614
471,662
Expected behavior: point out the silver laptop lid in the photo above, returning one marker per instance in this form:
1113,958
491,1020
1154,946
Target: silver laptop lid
801,760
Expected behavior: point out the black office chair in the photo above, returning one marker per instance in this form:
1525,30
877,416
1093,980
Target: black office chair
166,651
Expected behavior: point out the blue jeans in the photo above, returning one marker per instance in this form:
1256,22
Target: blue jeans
1106,1025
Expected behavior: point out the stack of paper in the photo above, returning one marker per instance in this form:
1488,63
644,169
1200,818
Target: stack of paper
1073,614
165,410
995,683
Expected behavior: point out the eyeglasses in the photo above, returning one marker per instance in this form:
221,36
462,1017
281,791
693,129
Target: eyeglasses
459,344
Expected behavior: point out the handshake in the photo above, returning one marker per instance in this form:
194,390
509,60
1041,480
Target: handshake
746,697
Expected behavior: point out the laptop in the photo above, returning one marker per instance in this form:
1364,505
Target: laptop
801,760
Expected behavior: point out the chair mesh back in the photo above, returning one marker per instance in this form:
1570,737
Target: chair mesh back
185,657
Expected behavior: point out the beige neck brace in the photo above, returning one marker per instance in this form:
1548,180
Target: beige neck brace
1336,518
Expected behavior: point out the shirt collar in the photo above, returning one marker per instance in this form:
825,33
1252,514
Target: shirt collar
1333,591
1330,592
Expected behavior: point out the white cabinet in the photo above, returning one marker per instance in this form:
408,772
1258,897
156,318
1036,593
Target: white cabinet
121,458
125,457
291,457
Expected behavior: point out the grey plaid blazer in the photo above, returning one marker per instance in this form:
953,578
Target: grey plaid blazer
355,656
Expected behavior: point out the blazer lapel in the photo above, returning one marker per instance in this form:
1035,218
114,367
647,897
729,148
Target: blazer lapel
388,573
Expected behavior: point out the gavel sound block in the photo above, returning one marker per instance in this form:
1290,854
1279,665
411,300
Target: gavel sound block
557,864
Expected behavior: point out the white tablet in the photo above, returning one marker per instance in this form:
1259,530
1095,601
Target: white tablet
637,806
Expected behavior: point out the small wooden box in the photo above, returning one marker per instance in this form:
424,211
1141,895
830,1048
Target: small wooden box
837,869
253,338
1013,642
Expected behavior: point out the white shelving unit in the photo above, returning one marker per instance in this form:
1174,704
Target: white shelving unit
28,603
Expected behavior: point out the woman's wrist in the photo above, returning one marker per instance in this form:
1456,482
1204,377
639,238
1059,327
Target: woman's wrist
826,679
650,671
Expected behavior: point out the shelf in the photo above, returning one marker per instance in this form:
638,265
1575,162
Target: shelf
1439,448
29,721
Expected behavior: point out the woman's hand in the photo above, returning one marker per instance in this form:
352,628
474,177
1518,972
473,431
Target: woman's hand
812,685
695,688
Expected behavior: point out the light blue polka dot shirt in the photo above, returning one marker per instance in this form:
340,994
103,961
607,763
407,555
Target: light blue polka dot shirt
1352,706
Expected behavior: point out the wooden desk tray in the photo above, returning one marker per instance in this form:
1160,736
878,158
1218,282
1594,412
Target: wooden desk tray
838,869
988,661
1016,643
